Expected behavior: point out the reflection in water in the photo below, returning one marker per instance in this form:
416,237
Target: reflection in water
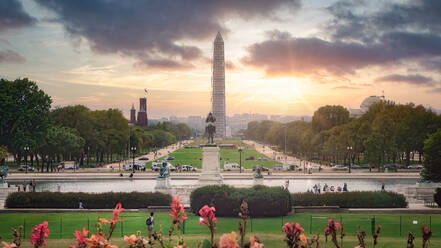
295,185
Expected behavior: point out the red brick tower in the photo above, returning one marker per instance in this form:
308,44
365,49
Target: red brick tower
142,113
133,115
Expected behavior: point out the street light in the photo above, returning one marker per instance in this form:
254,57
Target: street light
133,148
240,158
26,149
349,151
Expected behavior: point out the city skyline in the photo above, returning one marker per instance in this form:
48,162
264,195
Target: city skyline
305,54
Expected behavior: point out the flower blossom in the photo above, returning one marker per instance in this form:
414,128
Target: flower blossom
99,241
228,240
332,226
39,234
81,237
207,215
177,210
6,245
118,209
254,243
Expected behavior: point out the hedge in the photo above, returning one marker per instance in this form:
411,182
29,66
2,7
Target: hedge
352,199
133,200
262,201
437,197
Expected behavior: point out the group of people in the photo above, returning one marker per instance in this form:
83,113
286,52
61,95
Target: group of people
32,185
317,188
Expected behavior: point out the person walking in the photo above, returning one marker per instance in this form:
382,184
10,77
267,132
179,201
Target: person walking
33,184
382,186
150,222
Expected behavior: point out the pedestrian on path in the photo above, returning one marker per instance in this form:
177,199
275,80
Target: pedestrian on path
150,222
382,186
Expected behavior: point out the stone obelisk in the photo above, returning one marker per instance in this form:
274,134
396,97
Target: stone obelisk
218,85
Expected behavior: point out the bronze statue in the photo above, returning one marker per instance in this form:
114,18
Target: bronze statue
3,173
210,128
164,171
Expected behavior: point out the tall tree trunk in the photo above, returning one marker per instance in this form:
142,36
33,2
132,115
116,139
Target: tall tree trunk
407,158
36,160
82,159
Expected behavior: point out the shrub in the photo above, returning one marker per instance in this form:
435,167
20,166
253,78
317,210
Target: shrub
90,200
437,197
353,199
262,201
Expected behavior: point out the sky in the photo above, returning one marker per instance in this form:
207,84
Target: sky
285,57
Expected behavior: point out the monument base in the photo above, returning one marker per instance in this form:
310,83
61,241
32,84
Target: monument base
3,185
210,166
258,181
163,185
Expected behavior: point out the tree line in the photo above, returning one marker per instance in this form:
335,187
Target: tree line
29,128
386,133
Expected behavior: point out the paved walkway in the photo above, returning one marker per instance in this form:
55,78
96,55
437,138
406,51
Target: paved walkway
153,155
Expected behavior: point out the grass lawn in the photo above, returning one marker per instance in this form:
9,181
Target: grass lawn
193,156
268,229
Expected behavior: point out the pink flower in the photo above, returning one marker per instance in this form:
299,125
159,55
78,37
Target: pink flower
6,245
39,234
118,209
177,210
332,225
81,237
103,220
207,215
228,240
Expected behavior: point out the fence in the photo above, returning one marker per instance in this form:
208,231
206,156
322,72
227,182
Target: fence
62,226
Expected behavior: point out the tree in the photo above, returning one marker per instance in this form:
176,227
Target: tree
24,115
328,117
432,158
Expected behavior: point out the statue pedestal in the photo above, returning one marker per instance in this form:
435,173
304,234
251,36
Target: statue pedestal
3,185
258,181
163,185
210,166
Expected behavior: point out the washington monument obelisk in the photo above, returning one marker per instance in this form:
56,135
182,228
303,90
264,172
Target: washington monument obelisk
218,85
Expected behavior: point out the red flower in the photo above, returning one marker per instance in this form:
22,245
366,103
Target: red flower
118,209
177,209
207,215
81,237
332,225
39,234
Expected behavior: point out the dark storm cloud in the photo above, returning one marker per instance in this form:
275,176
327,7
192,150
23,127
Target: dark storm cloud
357,37
12,15
283,55
148,29
162,64
414,79
9,56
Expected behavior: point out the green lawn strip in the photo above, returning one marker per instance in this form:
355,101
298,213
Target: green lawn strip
62,225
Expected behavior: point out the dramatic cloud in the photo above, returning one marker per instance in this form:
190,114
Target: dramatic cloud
284,55
358,36
12,15
415,79
11,57
154,29
161,64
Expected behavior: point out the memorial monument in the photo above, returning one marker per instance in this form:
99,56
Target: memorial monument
258,177
210,156
163,184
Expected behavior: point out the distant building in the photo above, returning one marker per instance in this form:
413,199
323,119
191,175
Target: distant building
133,115
142,113
365,105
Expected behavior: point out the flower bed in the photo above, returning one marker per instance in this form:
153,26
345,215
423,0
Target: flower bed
263,201
355,199
108,200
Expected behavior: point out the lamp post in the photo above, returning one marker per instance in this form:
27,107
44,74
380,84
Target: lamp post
240,158
133,148
26,149
349,151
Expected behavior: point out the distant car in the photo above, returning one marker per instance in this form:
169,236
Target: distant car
250,158
261,167
339,167
22,167
278,167
390,167
144,158
291,167
156,166
170,158
187,168
231,167
415,167
356,167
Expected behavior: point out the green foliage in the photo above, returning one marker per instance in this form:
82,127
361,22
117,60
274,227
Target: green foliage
24,114
262,201
437,196
354,199
386,133
327,117
71,200
432,161
3,152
